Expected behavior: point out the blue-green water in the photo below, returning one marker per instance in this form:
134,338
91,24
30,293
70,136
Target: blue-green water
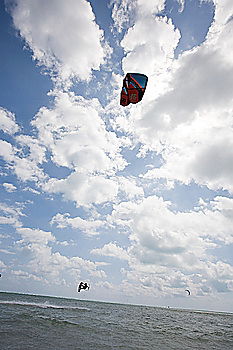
41,323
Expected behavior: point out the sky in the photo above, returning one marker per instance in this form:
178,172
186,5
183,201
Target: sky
136,200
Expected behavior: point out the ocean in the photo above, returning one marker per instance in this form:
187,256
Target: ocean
42,323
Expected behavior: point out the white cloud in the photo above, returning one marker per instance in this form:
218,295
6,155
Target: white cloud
165,243
25,167
62,35
151,49
112,250
185,118
9,221
6,150
24,275
88,266
10,215
9,187
47,265
7,122
150,7
36,151
199,151
89,227
105,284
66,243
76,135
84,190
30,189
223,11
35,236
125,12
128,185
26,170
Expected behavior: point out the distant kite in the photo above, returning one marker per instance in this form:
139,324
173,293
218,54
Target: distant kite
134,86
186,290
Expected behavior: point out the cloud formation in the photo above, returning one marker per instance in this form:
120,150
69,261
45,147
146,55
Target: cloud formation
165,242
7,122
56,32
48,265
114,167
10,215
112,250
89,227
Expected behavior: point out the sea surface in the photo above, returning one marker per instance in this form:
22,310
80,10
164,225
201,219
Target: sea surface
42,323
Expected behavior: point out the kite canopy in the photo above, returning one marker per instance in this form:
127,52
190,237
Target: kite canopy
134,86
187,290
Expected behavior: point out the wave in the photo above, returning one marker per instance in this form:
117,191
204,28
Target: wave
44,305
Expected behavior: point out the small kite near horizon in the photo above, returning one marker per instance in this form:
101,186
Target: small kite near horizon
187,290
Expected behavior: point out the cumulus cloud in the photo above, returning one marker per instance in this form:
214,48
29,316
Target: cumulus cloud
9,187
6,150
149,280
223,11
24,275
125,12
150,49
112,250
168,242
34,150
75,134
89,227
48,265
84,190
7,122
185,120
35,236
128,185
76,137
10,215
198,152
66,45
26,167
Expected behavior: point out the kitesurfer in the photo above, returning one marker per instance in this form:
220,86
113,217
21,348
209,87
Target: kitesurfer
83,285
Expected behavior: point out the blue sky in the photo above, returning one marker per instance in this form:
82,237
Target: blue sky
137,200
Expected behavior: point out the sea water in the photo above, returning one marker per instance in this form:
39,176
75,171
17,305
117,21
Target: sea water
42,323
